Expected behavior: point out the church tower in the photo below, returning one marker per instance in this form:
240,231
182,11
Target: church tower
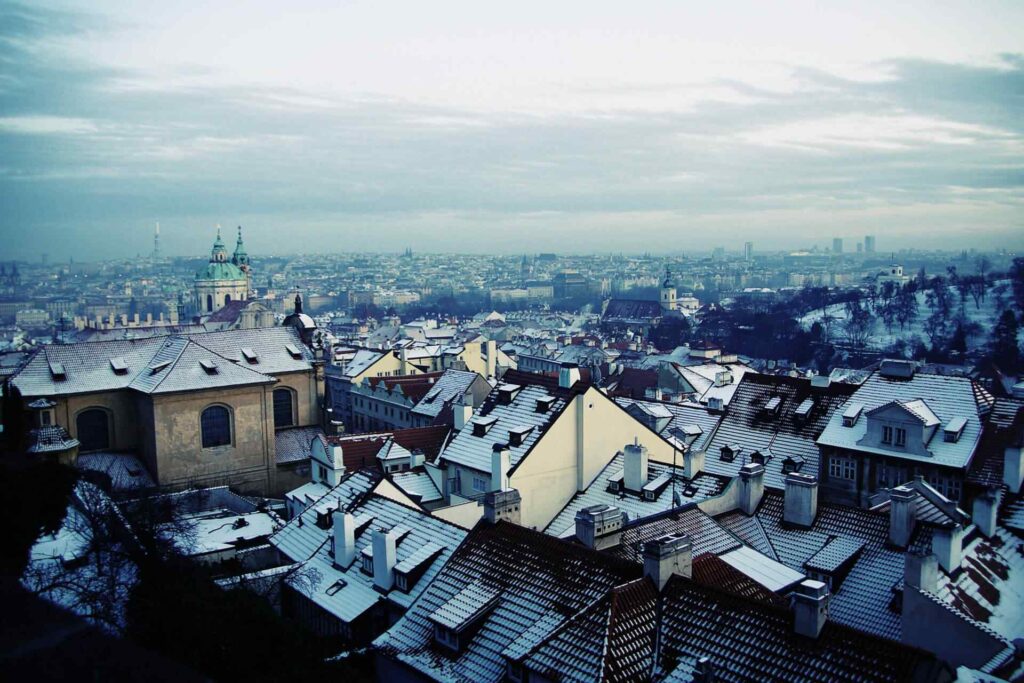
222,280
241,259
668,293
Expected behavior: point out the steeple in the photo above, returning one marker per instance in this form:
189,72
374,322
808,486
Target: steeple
240,258
219,254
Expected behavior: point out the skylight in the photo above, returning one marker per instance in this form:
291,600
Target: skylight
209,366
119,366
250,355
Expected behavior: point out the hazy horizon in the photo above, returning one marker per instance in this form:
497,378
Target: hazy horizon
574,128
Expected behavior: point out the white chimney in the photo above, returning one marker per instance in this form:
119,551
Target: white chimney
634,470
668,555
902,515
599,526
810,608
344,538
500,464
983,513
693,463
463,412
568,375
751,487
920,570
383,559
1013,468
947,544
800,502
492,357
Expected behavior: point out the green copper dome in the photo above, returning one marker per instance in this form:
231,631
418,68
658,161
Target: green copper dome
220,270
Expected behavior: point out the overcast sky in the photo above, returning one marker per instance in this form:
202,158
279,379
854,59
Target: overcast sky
509,127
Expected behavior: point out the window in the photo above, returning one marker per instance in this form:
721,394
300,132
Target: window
93,429
209,303
367,565
901,437
284,416
446,637
480,484
842,468
887,434
216,427
227,299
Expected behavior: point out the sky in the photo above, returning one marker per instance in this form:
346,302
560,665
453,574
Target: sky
571,126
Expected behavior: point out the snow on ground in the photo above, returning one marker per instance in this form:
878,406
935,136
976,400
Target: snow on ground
881,338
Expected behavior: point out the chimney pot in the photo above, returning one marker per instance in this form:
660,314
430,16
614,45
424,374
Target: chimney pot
902,515
668,555
800,503
500,463
751,487
599,526
810,608
344,538
383,559
634,465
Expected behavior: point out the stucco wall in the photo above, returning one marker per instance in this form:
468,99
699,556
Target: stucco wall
123,417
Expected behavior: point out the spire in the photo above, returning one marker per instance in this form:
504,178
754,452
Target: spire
219,253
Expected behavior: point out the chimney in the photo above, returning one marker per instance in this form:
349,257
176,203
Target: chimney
599,526
403,361
947,544
568,375
920,570
383,559
902,515
668,555
751,487
800,504
983,513
344,538
693,463
491,349
500,464
503,506
1013,468
634,468
810,608
462,411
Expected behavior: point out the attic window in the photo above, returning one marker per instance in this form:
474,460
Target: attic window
615,482
58,371
482,425
730,452
852,414
119,366
250,355
804,409
544,403
507,392
772,406
293,351
209,366
952,431
517,435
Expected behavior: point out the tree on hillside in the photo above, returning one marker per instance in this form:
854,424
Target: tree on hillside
1004,348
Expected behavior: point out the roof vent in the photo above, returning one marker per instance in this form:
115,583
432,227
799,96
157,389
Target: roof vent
119,366
250,355
58,371
483,424
507,392
953,429
544,403
897,369
803,410
723,378
293,351
517,435
771,407
209,366
715,404
852,414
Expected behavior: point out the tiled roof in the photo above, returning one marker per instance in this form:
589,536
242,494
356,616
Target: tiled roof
88,366
706,534
417,485
683,415
449,386
628,310
361,362
752,641
538,578
634,505
347,592
1003,426
126,471
946,396
632,383
360,450
414,387
294,444
785,434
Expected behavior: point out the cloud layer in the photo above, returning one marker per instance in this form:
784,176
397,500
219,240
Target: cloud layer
927,154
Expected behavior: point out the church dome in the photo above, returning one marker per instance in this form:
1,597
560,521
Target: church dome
220,271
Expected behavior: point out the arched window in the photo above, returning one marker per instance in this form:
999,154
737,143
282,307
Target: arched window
93,429
209,302
216,427
284,408
227,299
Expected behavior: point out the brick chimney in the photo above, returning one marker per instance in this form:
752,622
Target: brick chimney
383,559
634,468
668,555
902,515
344,538
800,504
503,506
599,526
751,487
810,608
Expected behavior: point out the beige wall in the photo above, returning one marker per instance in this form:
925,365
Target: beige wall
304,384
247,463
123,416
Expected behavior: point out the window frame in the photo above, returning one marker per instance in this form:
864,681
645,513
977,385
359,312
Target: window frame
887,435
230,427
292,405
901,437
108,421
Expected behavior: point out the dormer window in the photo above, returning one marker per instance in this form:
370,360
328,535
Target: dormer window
887,435
852,414
209,366
119,366
771,408
544,403
517,435
901,437
952,431
367,564
482,425
402,581
730,452
446,637
250,355
57,371
507,393
293,351
514,671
